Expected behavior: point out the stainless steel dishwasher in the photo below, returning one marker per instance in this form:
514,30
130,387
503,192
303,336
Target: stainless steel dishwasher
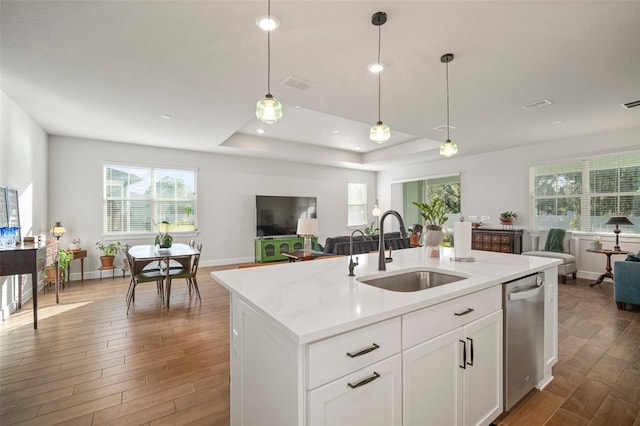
523,302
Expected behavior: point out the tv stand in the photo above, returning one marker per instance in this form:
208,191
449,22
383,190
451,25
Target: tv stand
270,249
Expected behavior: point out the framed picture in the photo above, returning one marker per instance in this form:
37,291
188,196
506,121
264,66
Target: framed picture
4,216
13,210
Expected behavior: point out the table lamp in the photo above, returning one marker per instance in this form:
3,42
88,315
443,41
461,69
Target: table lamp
58,230
617,221
376,212
307,228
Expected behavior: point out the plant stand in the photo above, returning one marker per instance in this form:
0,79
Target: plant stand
106,268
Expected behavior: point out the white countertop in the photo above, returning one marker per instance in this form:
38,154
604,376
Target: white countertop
316,299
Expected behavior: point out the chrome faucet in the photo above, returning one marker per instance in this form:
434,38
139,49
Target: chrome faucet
381,257
352,265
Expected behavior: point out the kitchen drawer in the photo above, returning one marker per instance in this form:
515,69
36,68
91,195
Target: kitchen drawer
330,359
422,325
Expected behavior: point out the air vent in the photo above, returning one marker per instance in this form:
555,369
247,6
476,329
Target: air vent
536,105
298,83
630,105
443,128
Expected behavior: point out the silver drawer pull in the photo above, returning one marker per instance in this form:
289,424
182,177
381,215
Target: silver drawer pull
468,311
373,347
364,381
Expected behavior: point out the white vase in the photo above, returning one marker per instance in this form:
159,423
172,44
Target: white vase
433,238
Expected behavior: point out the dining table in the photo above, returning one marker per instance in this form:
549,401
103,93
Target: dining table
164,255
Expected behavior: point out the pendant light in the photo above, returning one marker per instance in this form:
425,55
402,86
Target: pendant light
269,109
380,132
448,148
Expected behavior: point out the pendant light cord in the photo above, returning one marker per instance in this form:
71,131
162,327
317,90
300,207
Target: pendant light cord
379,72
269,49
447,67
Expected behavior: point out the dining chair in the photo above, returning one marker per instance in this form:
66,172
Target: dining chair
140,274
188,272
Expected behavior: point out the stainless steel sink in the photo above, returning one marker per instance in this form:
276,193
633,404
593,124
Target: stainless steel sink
411,280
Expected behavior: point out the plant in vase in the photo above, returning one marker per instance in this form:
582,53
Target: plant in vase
371,230
164,238
64,258
415,233
109,251
508,217
434,212
596,244
75,244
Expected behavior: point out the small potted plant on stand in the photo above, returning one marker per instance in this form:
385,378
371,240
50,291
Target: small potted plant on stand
371,230
64,258
75,244
434,212
109,252
414,235
508,217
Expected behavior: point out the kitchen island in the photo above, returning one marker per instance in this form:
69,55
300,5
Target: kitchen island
311,345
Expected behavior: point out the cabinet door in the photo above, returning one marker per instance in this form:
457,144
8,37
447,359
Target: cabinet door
432,381
482,388
370,396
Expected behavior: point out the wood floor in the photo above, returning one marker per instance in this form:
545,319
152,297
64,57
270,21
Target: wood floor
90,363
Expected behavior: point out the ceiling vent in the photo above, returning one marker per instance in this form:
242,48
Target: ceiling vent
298,83
630,105
536,105
443,128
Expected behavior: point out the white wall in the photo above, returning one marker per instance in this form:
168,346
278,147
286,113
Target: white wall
227,186
23,165
494,182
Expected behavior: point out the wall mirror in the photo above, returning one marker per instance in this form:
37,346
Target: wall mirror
405,192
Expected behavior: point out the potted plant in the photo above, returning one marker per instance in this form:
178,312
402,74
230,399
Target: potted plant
371,230
596,244
109,251
64,258
434,212
75,244
163,239
414,235
508,217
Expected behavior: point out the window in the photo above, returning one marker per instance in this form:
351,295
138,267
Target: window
357,204
446,188
582,195
135,197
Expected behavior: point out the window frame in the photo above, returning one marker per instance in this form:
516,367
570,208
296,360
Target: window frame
153,199
586,192
364,206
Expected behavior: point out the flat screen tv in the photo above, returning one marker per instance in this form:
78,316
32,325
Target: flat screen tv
278,215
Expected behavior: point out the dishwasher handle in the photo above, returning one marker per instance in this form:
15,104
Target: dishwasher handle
525,294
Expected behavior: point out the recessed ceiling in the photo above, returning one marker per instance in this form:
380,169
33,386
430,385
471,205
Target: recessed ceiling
110,70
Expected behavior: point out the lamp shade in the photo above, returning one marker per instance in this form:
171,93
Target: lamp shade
448,148
58,230
376,211
618,220
307,227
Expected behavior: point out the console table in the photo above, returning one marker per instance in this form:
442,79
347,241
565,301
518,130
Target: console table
269,249
77,254
29,258
497,239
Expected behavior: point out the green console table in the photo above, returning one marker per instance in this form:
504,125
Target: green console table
271,249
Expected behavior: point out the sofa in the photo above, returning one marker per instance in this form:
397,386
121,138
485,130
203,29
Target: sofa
568,256
626,282
340,244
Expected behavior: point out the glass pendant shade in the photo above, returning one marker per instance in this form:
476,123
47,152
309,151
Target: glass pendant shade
269,109
380,132
448,148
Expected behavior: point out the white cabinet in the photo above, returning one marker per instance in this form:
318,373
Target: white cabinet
455,378
370,396
550,325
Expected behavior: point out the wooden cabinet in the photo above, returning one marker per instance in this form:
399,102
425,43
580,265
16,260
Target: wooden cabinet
271,249
498,240
455,378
